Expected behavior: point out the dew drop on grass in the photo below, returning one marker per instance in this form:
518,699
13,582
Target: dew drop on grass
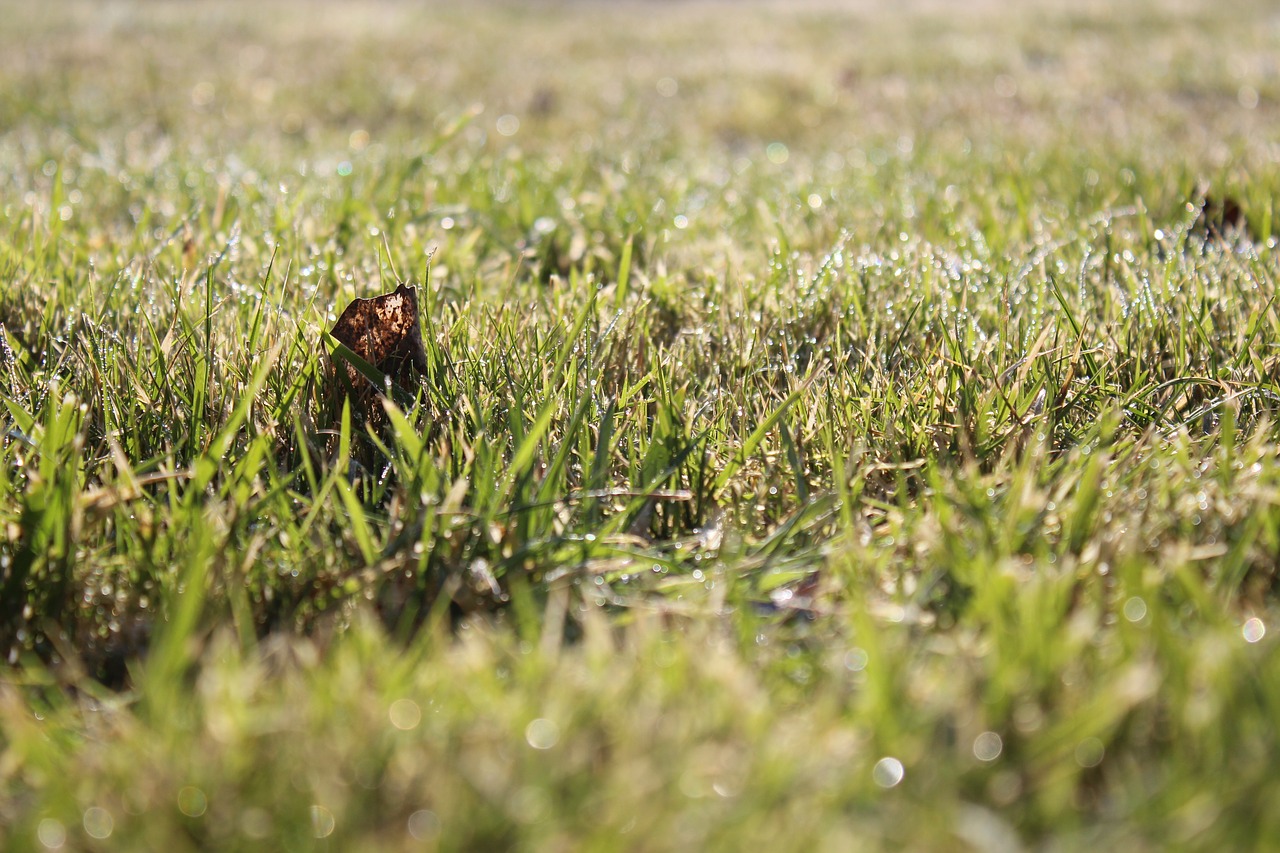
52,834
542,733
1135,609
405,714
192,801
424,825
98,823
1089,752
987,746
322,822
507,125
1254,630
888,772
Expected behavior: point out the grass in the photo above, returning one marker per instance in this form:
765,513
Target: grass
838,431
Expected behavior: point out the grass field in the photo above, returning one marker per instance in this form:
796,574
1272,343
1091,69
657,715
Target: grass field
841,430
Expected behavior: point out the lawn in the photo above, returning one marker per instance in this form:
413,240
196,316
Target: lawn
841,426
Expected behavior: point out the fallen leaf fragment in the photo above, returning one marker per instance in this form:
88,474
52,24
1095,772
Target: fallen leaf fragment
384,332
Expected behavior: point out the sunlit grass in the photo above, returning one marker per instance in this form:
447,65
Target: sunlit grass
838,430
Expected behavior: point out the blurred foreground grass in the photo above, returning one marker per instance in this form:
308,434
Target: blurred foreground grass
838,434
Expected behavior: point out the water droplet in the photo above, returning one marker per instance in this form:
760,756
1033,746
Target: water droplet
888,772
98,822
424,825
1135,609
405,714
52,833
322,822
192,801
542,733
1089,752
987,746
507,125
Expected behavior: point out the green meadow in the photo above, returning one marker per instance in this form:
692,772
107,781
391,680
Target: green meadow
842,426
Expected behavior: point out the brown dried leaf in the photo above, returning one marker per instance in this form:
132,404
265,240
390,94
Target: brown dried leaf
384,332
